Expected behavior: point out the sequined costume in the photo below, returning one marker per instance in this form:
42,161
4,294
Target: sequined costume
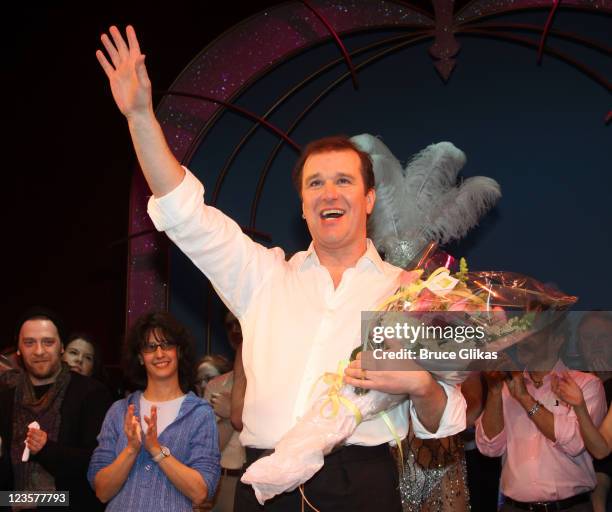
433,477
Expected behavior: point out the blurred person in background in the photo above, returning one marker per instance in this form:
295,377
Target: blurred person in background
594,336
209,367
219,392
9,367
82,355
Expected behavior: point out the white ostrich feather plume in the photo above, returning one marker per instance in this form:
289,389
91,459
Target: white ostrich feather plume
424,202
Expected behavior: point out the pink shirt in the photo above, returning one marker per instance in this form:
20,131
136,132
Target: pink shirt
534,467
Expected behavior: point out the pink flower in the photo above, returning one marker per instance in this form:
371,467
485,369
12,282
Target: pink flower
426,301
462,305
409,277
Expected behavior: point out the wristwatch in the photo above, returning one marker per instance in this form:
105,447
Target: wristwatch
165,452
534,409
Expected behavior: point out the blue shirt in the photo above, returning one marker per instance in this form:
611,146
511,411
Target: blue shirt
192,439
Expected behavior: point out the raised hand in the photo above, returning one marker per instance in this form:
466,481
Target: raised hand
567,390
126,72
495,380
131,427
150,438
517,388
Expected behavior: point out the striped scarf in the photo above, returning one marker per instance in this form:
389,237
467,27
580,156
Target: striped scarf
31,476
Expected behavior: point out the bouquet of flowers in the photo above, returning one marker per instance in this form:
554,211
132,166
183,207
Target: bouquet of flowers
476,299
473,315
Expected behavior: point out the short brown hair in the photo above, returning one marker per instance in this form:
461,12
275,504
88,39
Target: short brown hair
334,143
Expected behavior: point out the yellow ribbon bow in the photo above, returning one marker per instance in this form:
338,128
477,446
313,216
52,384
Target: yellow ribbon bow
334,399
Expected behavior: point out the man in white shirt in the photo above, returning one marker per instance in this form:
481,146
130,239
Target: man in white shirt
299,318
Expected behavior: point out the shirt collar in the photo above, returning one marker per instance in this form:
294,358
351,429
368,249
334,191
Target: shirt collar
370,256
559,367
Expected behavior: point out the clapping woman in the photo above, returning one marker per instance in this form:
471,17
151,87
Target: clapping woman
158,448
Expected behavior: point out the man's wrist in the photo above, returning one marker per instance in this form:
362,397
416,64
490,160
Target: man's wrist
429,386
533,411
428,392
527,402
581,408
141,117
495,391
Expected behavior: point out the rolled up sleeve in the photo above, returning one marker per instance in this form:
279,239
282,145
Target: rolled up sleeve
453,419
177,206
491,447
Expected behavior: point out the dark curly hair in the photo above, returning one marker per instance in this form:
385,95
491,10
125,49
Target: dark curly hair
163,326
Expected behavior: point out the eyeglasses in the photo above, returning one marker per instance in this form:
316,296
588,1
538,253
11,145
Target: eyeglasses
165,345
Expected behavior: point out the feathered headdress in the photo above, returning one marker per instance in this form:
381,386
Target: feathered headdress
423,202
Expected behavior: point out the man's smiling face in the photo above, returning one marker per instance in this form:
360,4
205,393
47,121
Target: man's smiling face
40,348
334,200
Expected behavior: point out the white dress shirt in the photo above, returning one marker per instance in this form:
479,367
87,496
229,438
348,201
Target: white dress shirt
295,325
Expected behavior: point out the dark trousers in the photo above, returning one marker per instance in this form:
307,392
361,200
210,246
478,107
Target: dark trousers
353,478
483,480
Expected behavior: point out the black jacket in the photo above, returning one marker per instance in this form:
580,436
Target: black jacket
83,409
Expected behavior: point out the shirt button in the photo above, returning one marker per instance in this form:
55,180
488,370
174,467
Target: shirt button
148,467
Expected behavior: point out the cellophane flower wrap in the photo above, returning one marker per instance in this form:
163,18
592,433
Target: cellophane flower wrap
334,415
507,307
